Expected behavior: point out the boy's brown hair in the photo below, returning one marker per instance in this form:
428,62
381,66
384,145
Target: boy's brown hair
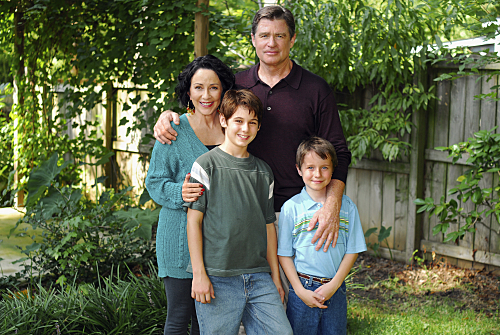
318,145
236,98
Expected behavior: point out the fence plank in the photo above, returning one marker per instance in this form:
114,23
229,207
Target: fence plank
456,135
363,195
351,186
389,204
488,121
472,121
401,211
375,207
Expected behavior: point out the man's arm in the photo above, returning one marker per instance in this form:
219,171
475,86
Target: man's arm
328,216
272,258
310,298
329,289
163,131
202,289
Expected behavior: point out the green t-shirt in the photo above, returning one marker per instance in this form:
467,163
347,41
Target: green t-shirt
237,205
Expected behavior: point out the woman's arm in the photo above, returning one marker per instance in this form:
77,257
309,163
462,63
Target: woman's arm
161,181
202,289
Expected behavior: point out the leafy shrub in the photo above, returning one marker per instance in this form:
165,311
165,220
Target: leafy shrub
132,305
483,150
78,236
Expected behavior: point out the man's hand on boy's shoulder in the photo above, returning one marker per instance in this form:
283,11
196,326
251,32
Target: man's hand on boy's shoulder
328,229
328,217
163,130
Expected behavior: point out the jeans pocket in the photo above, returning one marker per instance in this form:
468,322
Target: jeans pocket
342,289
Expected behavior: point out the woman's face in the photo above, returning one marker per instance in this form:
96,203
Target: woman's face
205,91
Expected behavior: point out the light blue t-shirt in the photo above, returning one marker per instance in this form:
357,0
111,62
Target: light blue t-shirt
295,240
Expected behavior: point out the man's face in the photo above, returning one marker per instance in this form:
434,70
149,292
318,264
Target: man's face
272,42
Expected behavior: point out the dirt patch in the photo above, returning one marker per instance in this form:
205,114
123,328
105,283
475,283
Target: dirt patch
392,283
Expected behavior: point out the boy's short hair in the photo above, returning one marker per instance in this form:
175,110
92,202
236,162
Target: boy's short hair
318,145
236,98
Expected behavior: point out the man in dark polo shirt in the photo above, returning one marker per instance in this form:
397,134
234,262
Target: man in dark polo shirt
298,104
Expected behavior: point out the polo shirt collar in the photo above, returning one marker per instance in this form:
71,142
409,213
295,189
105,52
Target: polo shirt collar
293,78
307,201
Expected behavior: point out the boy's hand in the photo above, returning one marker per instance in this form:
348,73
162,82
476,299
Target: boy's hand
279,287
163,131
326,291
191,191
311,299
202,290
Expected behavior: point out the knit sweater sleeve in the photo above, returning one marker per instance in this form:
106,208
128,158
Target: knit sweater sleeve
165,178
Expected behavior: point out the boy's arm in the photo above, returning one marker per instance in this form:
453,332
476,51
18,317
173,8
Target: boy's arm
202,289
329,289
310,298
272,258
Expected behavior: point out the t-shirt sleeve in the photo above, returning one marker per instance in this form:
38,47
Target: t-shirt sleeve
329,127
285,232
199,175
356,240
270,213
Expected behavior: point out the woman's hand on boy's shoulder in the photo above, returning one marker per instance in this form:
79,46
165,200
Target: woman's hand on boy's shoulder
191,191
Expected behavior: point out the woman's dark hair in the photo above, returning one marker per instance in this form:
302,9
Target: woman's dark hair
208,62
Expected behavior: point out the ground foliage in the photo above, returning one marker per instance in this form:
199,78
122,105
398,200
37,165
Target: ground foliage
121,303
391,283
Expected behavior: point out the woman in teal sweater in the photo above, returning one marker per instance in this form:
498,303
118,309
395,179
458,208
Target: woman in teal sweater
201,87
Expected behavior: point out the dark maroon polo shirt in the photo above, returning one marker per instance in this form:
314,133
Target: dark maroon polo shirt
299,106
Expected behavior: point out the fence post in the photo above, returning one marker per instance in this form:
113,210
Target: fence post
109,134
201,30
417,156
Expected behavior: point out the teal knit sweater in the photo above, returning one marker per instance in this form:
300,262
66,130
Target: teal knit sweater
167,169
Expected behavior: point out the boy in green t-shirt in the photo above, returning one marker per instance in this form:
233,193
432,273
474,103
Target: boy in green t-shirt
231,235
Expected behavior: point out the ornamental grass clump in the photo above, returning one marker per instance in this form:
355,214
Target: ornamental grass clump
134,305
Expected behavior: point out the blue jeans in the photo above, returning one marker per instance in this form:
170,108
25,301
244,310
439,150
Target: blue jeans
316,321
249,298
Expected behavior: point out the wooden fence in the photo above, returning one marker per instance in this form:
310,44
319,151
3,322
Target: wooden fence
384,192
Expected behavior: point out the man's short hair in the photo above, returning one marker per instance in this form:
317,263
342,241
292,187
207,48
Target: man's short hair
274,13
318,145
236,98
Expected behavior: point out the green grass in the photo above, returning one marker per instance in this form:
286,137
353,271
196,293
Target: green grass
432,316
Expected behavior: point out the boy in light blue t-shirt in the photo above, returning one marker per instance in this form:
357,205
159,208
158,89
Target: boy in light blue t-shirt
317,301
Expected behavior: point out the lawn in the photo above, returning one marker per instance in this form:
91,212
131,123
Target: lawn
428,299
